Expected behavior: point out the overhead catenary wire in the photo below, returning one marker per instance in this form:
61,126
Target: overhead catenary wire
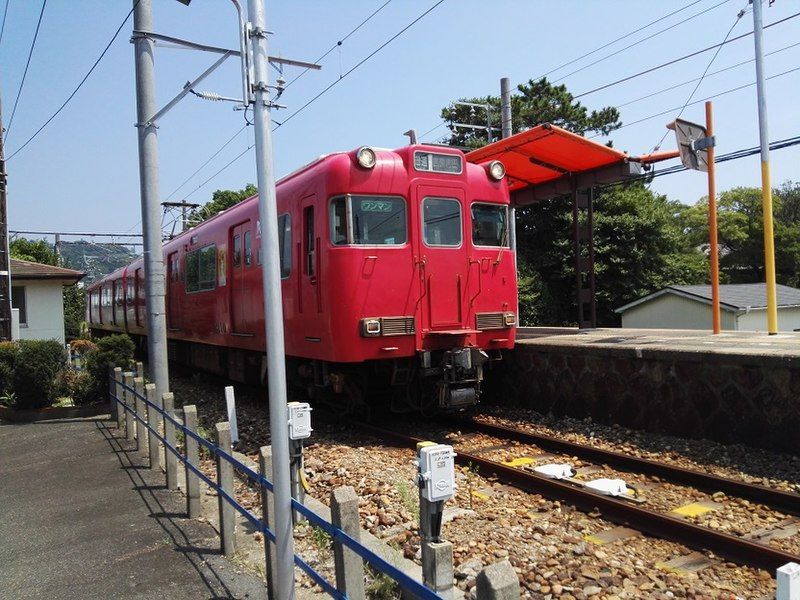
679,59
644,39
323,92
78,87
739,16
619,39
25,72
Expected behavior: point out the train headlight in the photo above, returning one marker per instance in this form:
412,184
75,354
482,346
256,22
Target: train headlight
496,170
509,319
370,327
366,158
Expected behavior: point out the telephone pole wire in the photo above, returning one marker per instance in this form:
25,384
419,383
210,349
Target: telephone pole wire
151,208
766,186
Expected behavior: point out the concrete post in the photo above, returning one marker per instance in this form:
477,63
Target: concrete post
498,582
141,430
117,412
788,579
168,402
227,514
154,421
130,422
437,567
348,564
140,369
268,516
192,450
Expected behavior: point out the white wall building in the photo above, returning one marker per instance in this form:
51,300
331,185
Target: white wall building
37,294
743,307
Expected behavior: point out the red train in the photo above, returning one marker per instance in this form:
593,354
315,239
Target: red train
398,281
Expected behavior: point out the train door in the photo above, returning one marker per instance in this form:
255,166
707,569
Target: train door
173,292
442,250
310,290
241,260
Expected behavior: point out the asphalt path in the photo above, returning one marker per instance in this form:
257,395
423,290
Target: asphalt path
81,516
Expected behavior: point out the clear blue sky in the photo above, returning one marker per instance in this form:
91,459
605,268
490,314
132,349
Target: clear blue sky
81,173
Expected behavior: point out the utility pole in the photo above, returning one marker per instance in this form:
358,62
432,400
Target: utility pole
151,211
5,253
766,186
273,304
507,131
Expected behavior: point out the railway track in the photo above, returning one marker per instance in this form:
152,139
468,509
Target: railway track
633,515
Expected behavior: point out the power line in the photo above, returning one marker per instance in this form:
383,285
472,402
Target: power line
25,72
3,26
677,60
739,16
672,110
622,37
210,158
361,62
75,91
688,81
340,42
645,39
324,91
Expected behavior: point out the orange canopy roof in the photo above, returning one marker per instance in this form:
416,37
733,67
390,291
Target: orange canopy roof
548,152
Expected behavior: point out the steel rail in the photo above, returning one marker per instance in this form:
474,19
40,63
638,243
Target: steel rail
776,499
656,524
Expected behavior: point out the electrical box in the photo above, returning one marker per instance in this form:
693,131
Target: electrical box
437,472
299,417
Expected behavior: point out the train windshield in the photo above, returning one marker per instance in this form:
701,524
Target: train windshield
489,225
368,220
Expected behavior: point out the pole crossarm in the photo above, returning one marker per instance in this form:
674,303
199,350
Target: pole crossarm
188,88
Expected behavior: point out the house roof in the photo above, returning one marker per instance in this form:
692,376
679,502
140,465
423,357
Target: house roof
24,269
732,297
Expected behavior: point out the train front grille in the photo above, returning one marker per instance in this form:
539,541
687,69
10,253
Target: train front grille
493,320
397,326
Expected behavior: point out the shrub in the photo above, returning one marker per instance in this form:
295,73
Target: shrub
74,384
8,360
81,346
116,350
38,363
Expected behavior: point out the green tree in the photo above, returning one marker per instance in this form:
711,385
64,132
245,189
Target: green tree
740,230
534,102
222,200
38,251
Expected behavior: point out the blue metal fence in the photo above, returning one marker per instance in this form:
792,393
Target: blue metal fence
406,583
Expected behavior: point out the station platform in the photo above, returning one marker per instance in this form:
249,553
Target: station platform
735,387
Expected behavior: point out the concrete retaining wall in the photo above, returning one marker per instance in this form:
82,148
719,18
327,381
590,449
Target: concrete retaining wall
752,400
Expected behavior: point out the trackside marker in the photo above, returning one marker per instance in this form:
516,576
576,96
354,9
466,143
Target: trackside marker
230,401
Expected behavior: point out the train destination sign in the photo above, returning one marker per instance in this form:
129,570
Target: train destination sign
437,163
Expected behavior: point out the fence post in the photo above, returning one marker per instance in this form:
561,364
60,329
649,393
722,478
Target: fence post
348,564
227,514
268,516
153,420
168,402
497,582
140,369
192,450
116,411
437,567
130,422
141,430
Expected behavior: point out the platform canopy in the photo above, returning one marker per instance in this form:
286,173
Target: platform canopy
548,161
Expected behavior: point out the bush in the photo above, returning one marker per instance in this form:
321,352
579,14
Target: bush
74,384
81,346
38,363
8,361
116,350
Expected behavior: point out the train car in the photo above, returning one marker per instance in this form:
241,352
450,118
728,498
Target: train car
397,277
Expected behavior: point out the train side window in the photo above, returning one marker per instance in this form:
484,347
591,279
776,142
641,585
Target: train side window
285,244
338,218
489,225
201,269
237,250
310,240
248,249
441,221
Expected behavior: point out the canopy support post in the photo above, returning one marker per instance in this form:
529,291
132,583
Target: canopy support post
583,249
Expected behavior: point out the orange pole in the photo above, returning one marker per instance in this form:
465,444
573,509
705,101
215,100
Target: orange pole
712,224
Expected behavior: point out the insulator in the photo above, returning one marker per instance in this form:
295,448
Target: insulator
212,96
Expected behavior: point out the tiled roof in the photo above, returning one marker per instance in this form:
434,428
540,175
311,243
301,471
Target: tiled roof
732,296
24,269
